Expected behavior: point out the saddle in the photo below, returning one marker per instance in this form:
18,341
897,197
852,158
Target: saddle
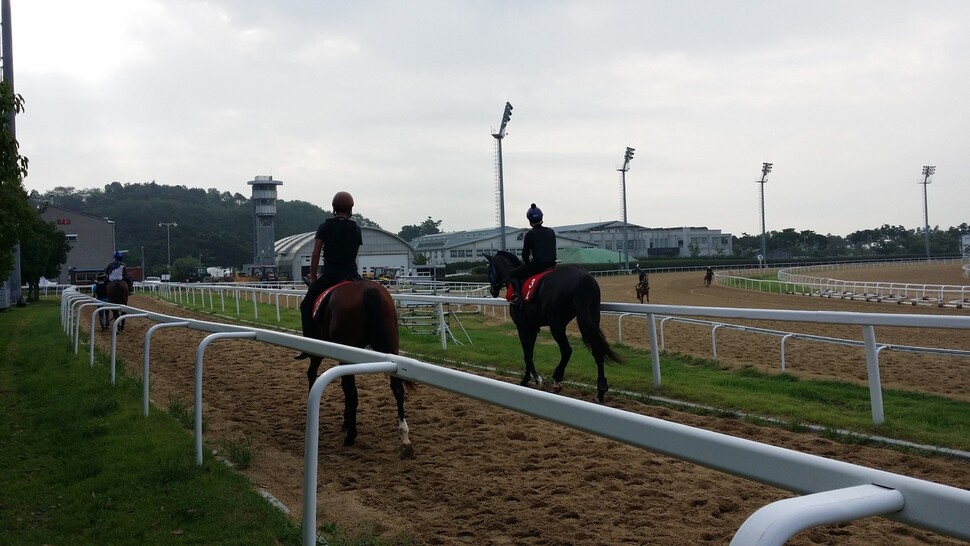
529,287
318,304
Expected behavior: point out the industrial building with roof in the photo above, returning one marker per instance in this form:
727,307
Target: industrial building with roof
381,249
608,237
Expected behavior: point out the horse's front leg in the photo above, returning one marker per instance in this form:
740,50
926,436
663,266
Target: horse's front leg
349,385
527,338
311,371
397,388
565,353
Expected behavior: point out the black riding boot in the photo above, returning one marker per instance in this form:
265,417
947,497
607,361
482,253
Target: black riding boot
305,316
515,285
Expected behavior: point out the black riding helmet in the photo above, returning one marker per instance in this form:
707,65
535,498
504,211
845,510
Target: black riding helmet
534,214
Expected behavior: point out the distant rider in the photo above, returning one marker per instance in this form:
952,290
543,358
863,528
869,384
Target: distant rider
340,239
538,253
116,271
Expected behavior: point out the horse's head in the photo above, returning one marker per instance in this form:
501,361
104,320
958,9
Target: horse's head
499,266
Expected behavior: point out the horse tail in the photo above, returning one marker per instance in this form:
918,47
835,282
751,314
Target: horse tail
588,319
381,340
379,320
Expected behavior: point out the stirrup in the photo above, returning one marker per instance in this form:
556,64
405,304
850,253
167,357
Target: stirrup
302,356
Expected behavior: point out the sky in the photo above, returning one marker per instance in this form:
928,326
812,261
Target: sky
396,102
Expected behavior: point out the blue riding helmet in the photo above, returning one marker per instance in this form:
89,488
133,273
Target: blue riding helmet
118,255
534,214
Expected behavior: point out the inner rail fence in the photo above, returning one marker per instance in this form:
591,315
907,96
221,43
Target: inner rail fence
656,316
830,491
809,280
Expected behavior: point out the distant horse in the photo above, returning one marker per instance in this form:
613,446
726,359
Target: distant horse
708,277
118,295
643,287
566,293
361,314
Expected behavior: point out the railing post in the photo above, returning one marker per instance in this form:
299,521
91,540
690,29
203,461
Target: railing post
784,338
144,371
774,524
310,450
199,353
114,339
875,382
654,353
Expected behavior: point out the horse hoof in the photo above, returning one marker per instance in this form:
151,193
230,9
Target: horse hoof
557,388
600,395
348,441
407,452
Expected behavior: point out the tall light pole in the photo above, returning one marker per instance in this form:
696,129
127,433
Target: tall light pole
114,243
928,171
627,157
168,233
765,169
506,116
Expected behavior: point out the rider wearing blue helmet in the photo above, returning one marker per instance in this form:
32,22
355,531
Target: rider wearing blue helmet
538,253
116,271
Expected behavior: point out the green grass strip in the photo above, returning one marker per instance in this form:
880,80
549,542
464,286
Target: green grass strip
81,465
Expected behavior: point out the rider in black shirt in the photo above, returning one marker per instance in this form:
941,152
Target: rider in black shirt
538,253
339,238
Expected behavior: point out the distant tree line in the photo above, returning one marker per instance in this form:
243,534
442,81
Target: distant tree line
216,228
884,241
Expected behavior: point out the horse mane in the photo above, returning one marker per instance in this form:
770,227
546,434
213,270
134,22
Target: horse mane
510,257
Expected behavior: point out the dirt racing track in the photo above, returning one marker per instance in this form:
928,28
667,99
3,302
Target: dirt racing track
484,475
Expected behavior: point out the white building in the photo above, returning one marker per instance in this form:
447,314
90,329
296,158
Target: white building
652,242
471,246
380,249
468,246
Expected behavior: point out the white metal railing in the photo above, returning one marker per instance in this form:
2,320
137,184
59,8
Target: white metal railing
836,491
802,280
652,313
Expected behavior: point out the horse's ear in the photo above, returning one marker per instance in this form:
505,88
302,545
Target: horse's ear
487,257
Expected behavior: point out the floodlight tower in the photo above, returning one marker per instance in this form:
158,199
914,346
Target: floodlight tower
765,169
168,236
506,116
627,157
928,171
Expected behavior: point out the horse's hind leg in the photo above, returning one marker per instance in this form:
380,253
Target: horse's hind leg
527,338
397,388
565,352
349,386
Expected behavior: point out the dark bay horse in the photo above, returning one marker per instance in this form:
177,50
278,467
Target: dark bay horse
643,285
566,293
117,294
361,314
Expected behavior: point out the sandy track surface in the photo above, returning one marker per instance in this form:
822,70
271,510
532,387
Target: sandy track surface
484,475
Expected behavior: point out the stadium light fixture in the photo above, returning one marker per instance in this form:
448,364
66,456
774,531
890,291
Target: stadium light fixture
765,169
506,116
627,157
168,233
928,171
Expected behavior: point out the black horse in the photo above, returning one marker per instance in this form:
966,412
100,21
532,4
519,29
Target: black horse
566,293
361,314
117,292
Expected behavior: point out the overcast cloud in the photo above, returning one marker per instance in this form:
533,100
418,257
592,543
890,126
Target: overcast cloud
396,102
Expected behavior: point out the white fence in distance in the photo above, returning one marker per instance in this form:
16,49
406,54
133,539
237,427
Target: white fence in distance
653,313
